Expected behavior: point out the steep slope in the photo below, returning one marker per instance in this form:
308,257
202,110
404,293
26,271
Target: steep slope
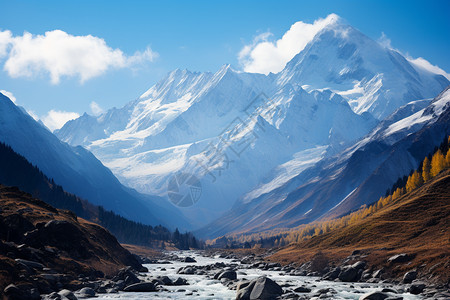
33,231
76,169
358,175
416,224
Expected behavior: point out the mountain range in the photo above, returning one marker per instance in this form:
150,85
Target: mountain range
359,175
316,140
245,135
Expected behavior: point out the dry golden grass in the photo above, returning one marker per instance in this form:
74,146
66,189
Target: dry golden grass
416,223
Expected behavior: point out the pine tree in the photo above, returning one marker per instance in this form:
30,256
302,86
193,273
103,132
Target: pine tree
437,163
426,170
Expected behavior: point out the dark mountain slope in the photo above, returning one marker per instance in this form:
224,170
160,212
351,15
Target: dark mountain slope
15,170
77,170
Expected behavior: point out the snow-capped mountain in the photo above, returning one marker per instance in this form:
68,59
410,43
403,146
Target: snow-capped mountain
336,185
242,134
371,77
77,169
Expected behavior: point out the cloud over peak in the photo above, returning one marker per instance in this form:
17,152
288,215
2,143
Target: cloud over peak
264,56
55,119
60,54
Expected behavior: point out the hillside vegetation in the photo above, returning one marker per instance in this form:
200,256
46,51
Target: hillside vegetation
415,223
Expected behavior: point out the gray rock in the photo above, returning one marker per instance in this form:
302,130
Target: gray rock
377,274
417,287
359,265
67,294
166,280
374,296
141,287
180,281
230,275
189,260
302,289
29,263
86,292
348,274
244,289
409,276
53,296
400,258
389,290
265,288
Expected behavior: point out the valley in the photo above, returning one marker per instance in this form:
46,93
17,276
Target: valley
239,156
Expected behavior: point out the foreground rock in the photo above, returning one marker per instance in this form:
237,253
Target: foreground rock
141,287
260,288
374,296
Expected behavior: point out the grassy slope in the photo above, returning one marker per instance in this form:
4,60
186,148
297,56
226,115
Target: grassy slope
416,223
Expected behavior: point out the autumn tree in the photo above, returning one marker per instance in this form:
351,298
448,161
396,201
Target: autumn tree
447,159
426,168
414,181
437,163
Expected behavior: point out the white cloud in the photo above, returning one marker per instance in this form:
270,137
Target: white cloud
55,119
63,55
95,108
9,95
5,41
419,62
385,41
264,56
425,64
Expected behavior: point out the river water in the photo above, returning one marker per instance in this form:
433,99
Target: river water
202,287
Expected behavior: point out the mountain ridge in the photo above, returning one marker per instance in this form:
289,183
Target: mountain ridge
75,168
176,122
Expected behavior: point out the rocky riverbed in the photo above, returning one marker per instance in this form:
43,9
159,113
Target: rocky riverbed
197,275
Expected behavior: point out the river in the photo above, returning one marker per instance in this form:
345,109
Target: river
204,287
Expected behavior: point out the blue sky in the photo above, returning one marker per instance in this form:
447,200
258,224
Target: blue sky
197,35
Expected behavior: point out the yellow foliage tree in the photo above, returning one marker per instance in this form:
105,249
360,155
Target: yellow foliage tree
426,168
437,163
447,159
414,181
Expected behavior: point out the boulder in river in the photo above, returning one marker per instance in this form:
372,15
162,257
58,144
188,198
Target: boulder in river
141,287
409,276
180,281
374,296
265,289
189,259
348,274
230,275
417,287
85,292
